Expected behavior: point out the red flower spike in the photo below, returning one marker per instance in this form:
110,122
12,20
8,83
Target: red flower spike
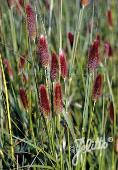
58,104
21,2
71,38
111,112
44,100
23,97
109,18
54,67
43,51
22,62
108,49
93,56
8,67
31,21
97,87
84,2
63,64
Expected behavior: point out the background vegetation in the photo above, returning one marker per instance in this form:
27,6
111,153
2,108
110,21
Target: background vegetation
29,140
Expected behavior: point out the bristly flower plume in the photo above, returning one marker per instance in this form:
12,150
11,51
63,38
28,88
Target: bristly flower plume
109,18
63,64
31,22
22,61
111,112
71,38
58,104
93,56
44,100
54,66
97,87
108,49
9,68
43,52
23,97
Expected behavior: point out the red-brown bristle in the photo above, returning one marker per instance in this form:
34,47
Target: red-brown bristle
97,87
71,38
31,21
23,97
43,50
111,112
9,68
54,66
63,64
58,104
108,49
109,18
93,56
44,100
22,62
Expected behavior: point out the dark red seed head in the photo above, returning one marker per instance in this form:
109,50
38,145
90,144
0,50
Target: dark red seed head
109,18
21,2
31,21
44,100
93,56
22,62
43,50
111,112
23,97
9,68
54,66
108,49
71,38
63,64
97,87
58,104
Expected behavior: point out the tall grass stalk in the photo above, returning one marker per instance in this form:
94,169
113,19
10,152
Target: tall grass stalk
8,109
